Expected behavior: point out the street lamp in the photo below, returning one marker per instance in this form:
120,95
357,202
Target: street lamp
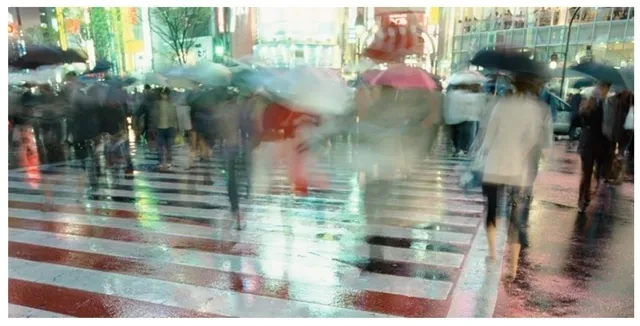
566,53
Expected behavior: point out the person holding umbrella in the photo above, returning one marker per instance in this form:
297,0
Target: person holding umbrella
519,130
597,119
463,108
167,123
594,145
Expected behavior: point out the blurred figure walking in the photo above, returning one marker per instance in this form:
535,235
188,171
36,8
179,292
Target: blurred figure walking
594,145
463,109
519,130
167,123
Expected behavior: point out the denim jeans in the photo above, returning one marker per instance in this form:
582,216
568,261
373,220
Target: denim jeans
463,134
231,154
165,143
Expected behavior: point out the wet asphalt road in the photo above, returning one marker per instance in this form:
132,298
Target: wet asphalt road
576,265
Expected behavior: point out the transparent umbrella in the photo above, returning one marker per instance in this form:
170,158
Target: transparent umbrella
312,90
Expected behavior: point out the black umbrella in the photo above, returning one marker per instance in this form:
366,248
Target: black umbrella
37,56
601,72
511,61
584,82
73,55
101,66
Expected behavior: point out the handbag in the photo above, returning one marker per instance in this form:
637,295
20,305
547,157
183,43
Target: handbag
179,139
628,122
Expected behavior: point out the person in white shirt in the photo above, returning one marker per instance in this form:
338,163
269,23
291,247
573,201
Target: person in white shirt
519,130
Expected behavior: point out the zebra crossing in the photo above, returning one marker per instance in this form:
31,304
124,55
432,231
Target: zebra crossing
163,245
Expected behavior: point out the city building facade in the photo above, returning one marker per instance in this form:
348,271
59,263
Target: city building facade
290,36
603,34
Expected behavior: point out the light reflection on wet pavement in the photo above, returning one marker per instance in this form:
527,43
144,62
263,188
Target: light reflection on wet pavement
577,265
314,256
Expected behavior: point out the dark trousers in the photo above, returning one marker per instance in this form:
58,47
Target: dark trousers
165,144
232,183
518,202
84,151
463,134
592,154
232,153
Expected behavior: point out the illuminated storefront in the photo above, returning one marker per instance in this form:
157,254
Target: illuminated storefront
543,32
423,23
290,36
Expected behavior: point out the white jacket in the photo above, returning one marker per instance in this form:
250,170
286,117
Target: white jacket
461,106
520,127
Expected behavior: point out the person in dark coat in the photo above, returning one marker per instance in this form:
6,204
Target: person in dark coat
84,129
594,145
574,102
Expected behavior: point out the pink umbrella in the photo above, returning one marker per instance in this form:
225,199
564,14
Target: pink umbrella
401,77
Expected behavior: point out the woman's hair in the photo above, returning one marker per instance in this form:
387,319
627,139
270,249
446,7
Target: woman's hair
527,83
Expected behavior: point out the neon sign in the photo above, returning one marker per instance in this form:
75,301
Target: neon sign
399,19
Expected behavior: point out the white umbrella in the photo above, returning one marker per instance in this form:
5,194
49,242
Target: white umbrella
180,77
154,78
313,90
212,74
205,73
468,77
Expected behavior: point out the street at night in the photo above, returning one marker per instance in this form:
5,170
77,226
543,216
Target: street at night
329,162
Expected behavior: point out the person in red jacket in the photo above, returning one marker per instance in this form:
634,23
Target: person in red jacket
279,124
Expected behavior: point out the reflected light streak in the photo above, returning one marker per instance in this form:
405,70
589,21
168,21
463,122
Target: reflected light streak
147,208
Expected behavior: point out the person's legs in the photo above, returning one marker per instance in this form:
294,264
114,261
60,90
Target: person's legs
161,138
168,145
491,193
587,161
246,159
469,131
455,137
518,198
604,160
232,185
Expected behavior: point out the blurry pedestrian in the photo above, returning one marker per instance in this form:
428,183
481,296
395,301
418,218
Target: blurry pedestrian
145,116
85,129
185,125
279,123
227,117
201,103
574,102
519,130
166,123
616,109
463,109
594,145
386,126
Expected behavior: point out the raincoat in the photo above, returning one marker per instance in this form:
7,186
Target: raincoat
461,106
520,128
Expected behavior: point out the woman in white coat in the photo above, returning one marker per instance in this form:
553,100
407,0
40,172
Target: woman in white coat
463,108
519,130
